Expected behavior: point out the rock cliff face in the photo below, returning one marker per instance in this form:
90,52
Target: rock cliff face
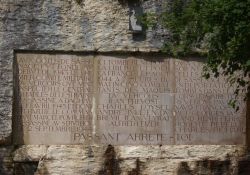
98,26
128,160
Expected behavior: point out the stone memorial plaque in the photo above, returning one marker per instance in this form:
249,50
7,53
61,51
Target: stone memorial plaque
53,98
203,115
135,100
121,100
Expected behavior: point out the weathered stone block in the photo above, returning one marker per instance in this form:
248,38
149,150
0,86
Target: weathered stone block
121,100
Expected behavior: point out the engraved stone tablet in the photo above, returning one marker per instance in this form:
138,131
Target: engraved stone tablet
121,100
203,115
53,98
135,100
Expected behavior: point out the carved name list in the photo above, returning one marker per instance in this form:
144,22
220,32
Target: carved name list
74,99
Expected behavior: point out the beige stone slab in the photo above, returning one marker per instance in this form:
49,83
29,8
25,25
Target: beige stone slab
203,115
135,101
188,75
208,119
121,100
53,98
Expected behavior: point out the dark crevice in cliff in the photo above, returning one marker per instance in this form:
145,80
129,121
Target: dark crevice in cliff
137,169
25,168
211,167
6,160
184,169
111,163
214,167
244,167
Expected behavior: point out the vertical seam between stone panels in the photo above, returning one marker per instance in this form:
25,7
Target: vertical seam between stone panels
94,97
247,125
13,123
174,95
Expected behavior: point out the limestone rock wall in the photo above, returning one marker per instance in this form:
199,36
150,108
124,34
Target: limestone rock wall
102,26
134,160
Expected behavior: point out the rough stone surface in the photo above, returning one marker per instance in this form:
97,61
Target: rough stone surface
6,161
92,25
132,160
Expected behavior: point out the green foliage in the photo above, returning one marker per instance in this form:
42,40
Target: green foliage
220,30
148,20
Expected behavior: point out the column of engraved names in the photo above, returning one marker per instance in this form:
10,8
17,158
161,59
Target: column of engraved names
202,111
55,96
135,104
